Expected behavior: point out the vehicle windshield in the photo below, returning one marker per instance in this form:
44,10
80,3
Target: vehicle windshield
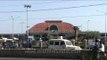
68,43
51,43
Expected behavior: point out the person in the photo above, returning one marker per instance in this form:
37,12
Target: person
95,50
102,50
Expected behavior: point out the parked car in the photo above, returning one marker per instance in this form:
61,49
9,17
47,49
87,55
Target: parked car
62,44
7,43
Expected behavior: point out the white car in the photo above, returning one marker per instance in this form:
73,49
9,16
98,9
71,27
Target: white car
62,44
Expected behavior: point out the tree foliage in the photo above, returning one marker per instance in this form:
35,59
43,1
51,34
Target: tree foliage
91,34
75,28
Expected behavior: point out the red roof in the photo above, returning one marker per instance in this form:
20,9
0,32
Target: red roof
62,26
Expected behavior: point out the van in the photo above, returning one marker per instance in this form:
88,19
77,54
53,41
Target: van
7,43
62,44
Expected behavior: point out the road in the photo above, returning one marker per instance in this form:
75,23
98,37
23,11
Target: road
8,58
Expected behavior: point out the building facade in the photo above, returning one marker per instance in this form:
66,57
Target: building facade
52,29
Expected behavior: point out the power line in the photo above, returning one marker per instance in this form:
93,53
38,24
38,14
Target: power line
4,20
64,17
71,16
50,9
50,2
11,11
32,3
11,5
23,4
70,7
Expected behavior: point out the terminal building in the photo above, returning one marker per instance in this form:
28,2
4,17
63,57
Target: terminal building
52,29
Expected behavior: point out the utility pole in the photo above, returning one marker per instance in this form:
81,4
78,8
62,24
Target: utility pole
27,26
88,25
12,27
21,32
105,13
105,25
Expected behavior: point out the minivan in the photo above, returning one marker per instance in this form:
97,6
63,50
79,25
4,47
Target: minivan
62,44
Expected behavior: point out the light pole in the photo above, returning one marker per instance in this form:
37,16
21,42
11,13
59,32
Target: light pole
105,13
88,25
105,26
21,32
12,27
27,31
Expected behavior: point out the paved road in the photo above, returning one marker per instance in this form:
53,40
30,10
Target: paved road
6,58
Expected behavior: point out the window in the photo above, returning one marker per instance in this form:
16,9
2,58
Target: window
68,43
53,28
51,43
62,43
56,43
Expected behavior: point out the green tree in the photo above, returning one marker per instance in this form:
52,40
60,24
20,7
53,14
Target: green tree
91,34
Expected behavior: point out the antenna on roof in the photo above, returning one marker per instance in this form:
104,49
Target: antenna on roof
61,37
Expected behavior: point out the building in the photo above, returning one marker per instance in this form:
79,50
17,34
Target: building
52,29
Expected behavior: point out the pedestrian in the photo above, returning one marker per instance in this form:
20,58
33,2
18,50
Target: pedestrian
95,50
102,50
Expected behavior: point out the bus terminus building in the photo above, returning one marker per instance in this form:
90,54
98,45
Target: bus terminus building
52,29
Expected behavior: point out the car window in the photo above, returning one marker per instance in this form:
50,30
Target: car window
68,43
51,43
62,43
56,43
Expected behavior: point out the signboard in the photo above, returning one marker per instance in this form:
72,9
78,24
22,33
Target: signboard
91,43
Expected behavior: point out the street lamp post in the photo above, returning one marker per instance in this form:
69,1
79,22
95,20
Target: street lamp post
21,32
105,13
88,25
105,26
12,27
27,32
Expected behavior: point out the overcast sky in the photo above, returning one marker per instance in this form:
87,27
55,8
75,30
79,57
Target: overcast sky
88,15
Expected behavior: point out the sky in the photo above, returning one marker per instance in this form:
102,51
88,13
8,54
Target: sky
87,15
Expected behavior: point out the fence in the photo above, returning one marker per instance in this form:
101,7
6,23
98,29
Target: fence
47,53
